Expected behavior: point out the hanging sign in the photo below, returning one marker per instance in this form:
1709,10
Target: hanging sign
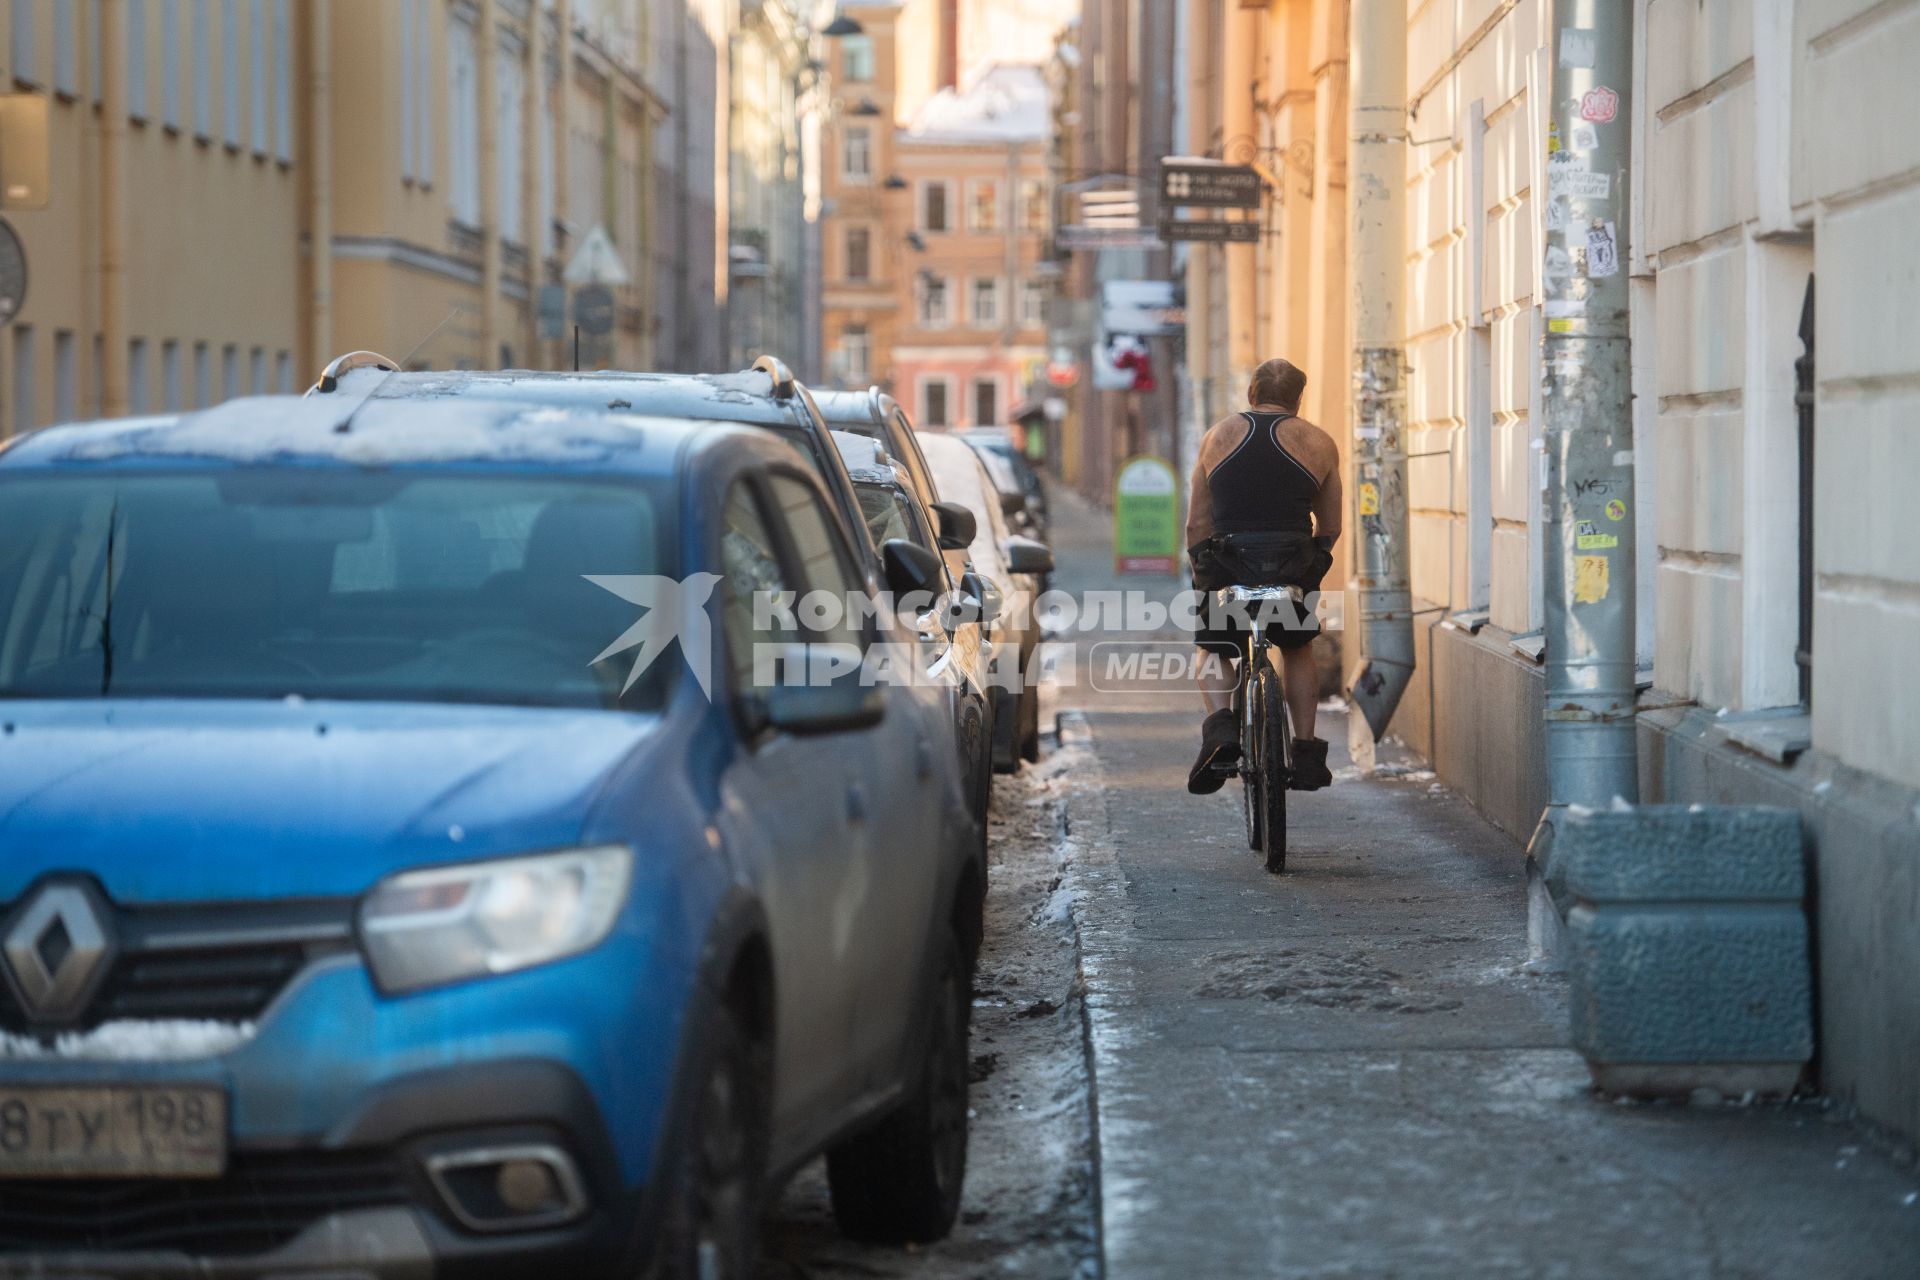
1146,517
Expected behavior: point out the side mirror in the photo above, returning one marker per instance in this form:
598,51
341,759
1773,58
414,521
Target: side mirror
839,707
956,526
981,590
1012,504
1025,556
910,568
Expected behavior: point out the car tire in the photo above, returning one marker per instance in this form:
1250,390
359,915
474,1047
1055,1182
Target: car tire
1030,726
710,1220
900,1181
1006,735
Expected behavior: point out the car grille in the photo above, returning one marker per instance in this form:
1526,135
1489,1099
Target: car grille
260,1203
217,961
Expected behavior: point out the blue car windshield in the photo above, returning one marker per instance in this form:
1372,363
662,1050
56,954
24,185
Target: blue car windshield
444,586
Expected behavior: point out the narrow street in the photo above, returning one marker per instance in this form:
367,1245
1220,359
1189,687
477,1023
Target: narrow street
1347,1070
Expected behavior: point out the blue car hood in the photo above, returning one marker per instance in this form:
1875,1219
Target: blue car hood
197,800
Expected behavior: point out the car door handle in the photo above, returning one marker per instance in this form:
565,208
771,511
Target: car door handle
856,802
922,759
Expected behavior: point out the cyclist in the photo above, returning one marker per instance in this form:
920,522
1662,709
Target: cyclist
1265,505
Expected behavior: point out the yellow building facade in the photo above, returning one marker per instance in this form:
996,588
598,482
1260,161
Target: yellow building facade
445,152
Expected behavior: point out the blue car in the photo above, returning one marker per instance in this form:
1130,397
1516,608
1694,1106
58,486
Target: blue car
420,857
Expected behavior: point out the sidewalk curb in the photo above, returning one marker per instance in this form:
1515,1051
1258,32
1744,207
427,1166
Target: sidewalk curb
1101,927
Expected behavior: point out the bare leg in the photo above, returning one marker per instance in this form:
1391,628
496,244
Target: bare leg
1302,679
1216,681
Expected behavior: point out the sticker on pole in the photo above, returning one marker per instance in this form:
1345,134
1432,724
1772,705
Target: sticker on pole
1600,105
1590,579
1603,252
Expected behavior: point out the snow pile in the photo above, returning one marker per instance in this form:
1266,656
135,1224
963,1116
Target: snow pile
133,1040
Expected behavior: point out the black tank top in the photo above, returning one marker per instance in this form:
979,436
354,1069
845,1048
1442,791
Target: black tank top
1260,487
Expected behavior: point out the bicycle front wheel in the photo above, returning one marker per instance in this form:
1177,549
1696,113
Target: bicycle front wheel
1267,779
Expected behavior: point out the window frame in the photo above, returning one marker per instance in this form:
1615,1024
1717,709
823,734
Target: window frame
920,220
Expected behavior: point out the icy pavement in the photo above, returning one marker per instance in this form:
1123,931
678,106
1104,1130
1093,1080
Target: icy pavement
1029,1206
1348,1070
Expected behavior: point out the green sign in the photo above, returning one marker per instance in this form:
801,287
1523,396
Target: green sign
1146,517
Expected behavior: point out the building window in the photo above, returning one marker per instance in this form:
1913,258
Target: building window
24,408
137,375
510,88
65,376
283,81
856,154
856,59
406,89
933,206
423,150
230,72
983,205
23,59
137,61
202,376
283,373
257,74
170,376
258,371
1033,304
934,409
170,63
859,253
202,82
856,352
66,51
1033,205
931,303
986,303
463,125
986,402
229,371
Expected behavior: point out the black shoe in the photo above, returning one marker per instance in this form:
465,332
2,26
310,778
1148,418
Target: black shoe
1219,752
1310,771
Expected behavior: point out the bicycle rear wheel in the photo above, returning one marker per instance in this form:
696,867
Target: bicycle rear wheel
1249,770
1270,767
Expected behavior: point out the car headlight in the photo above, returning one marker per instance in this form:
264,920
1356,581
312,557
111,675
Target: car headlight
443,924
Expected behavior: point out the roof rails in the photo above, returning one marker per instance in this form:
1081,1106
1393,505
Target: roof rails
782,376
340,366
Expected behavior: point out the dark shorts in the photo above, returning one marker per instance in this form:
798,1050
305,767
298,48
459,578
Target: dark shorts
1226,636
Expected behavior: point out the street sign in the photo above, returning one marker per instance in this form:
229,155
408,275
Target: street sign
1210,184
596,261
1175,231
1144,308
1146,517
551,313
593,310
1079,238
13,273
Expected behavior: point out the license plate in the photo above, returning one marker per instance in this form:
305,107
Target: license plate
161,1131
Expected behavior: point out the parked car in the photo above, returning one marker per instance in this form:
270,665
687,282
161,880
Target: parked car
1005,461
383,927
1014,566
952,647
878,416
767,395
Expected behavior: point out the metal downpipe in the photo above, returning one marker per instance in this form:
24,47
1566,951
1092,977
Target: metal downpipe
1587,433
1381,609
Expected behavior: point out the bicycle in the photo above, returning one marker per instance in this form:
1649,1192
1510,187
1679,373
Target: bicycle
1266,730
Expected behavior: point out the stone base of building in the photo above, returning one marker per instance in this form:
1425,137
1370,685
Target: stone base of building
1474,711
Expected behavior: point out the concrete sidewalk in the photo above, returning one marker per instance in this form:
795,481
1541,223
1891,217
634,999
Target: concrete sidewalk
1346,1071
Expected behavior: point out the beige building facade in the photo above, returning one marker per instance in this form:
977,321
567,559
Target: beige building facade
1776,424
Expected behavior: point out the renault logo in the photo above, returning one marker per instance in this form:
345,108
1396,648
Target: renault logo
57,949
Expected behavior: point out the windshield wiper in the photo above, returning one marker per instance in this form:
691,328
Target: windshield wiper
106,611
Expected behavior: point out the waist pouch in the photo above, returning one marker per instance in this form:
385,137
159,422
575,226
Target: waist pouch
1259,560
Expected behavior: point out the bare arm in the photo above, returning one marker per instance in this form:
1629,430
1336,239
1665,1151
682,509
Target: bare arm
1330,507
1199,503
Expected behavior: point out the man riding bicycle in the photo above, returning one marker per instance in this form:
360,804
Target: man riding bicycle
1265,504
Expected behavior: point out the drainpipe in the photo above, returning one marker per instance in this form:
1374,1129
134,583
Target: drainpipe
319,161
489,186
1377,179
1587,430
112,124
